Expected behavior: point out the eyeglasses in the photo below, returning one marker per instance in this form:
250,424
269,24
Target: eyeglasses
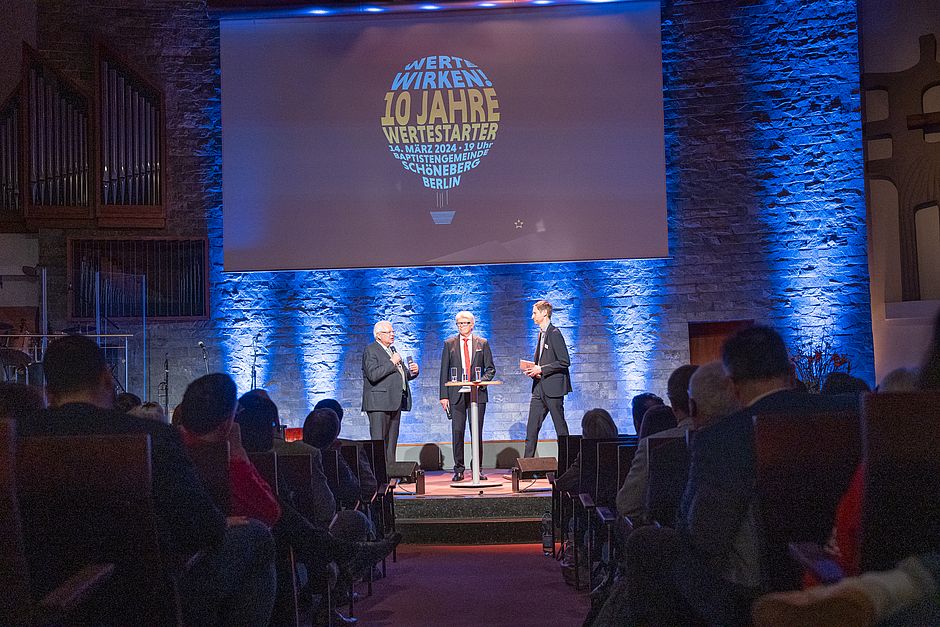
461,324
386,333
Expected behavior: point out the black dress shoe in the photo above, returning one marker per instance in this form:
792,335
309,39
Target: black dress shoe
323,618
458,476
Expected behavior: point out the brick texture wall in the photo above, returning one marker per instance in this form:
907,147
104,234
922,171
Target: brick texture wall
766,221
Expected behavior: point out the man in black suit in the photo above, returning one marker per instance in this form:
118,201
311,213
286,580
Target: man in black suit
385,390
550,377
463,353
234,578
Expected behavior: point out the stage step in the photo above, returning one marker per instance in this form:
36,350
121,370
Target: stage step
470,530
471,519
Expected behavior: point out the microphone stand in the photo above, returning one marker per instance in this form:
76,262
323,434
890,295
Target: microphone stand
205,357
254,362
165,384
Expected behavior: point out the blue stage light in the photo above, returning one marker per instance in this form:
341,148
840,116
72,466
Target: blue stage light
318,12
373,10
429,7
487,5
543,2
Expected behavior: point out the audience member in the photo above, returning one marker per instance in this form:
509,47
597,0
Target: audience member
899,380
906,595
366,474
125,402
595,425
149,410
233,582
631,499
657,418
843,383
640,405
261,431
208,414
321,429
18,400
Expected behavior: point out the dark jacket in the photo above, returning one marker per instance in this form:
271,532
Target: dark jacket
381,381
554,360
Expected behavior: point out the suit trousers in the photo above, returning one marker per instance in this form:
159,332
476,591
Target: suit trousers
460,417
383,425
539,407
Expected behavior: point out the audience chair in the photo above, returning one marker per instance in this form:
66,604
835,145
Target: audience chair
375,451
668,472
286,610
593,477
568,448
17,606
87,500
901,511
804,465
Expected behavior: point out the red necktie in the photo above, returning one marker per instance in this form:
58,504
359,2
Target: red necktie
466,355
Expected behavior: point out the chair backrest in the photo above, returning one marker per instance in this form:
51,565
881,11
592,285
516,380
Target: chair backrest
330,459
608,469
14,571
901,510
88,499
211,460
296,470
625,455
804,464
667,474
592,471
568,448
375,451
350,453
265,462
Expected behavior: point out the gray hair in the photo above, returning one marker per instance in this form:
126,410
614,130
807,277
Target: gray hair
465,314
711,389
899,380
377,328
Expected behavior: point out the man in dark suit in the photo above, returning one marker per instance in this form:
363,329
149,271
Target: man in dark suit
385,390
463,353
235,575
550,377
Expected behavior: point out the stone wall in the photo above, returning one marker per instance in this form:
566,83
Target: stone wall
766,213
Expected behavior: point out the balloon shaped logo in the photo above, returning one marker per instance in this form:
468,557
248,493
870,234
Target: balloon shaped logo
440,119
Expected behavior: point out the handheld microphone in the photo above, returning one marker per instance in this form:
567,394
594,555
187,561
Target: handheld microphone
392,349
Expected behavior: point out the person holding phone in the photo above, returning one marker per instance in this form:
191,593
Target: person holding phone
385,390
466,357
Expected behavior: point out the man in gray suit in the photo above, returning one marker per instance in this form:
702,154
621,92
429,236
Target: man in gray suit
551,380
462,354
385,390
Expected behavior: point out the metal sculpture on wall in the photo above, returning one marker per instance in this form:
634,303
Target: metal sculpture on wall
914,165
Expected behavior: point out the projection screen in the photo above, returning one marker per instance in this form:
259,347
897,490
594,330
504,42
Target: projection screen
473,137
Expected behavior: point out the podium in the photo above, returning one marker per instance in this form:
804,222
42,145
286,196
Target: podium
474,432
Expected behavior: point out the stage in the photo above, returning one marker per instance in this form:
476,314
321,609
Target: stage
448,515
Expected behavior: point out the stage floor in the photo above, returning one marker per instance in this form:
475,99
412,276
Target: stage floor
437,484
